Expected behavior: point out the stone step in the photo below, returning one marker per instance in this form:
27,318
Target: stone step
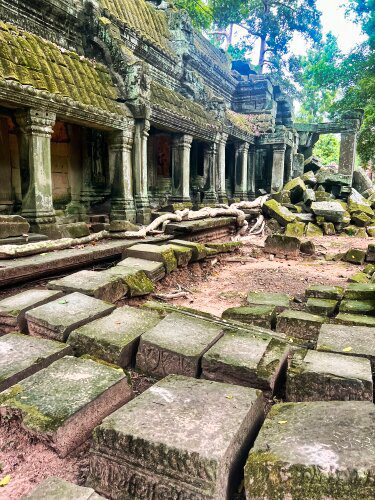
183,254
57,319
360,291
326,376
137,282
55,488
355,320
114,338
199,250
153,270
365,307
279,300
182,438
322,307
156,253
61,404
264,316
22,355
247,360
316,450
325,292
300,325
176,345
14,308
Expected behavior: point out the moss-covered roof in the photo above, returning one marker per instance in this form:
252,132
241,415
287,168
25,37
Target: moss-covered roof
246,123
147,22
33,61
178,104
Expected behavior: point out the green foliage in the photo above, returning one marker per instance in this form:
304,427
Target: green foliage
200,13
328,149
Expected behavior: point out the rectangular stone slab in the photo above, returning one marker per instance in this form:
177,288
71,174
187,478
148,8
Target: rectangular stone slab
182,438
360,291
358,307
198,249
278,300
355,319
300,324
13,309
326,376
153,252
93,283
153,269
55,488
176,345
319,450
137,282
64,402
23,355
183,254
114,338
247,360
325,292
57,319
264,316
322,307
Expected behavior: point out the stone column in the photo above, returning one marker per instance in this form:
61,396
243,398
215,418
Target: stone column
348,150
240,190
37,203
251,173
5,164
277,180
221,187
181,168
210,162
120,143
141,133
87,190
288,164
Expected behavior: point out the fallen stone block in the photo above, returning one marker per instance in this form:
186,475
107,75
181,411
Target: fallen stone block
156,253
281,197
314,450
322,307
176,345
225,246
282,245
371,230
369,269
22,355
328,229
362,205
360,219
114,338
212,424
326,376
55,488
312,230
246,359
264,316
120,226
358,307
322,195
276,211
296,229
61,404
359,291
14,308
300,325
370,255
296,187
325,292
96,284
331,211
279,300
354,319
308,247
309,178
309,197
183,254
137,282
74,230
13,225
58,318
359,278
305,218
155,271
199,250
355,256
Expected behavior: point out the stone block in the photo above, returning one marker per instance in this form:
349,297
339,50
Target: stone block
182,438
300,325
369,269
96,284
14,308
360,206
322,196
224,246
359,278
155,271
22,355
176,345
153,252
354,319
355,256
114,338
325,292
278,300
358,307
371,230
58,318
309,178
331,211
296,229
13,225
326,376
61,404
296,187
183,254
199,250
264,316
55,488
137,282
246,359
305,218
314,450
122,226
276,211
359,291
283,245
74,230
309,197
370,255
329,229
308,247
360,219
312,230
322,307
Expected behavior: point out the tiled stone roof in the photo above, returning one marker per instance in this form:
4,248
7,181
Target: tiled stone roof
33,61
246,123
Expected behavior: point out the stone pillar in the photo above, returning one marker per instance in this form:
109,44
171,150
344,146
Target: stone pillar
348,150
251,173
87,191
37,203
278,162
220,175
240,190
181,168
141,133
74,207
120,143
288,164
298,164
210,162
5,164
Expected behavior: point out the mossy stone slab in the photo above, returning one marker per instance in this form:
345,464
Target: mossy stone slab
331,211
358,307
199,250
324,292
312,230
181,438
300,324
359,278
64,402
314,450
326,376
58,318
55,488
276,211
246,359
279,300
360,291
13,308
296,229
114,338
183,254
152,269
224,246
153,252
96,284
137,282
23,355
355,256
370,255
264,316
176,345
354,319
282,245
322,307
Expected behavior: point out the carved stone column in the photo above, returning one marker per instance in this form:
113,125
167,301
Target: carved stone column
120,143
241,151
221,188
181,168
348,148
277,180
251,173
141,133
210,162
37,127
288,164
87,190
